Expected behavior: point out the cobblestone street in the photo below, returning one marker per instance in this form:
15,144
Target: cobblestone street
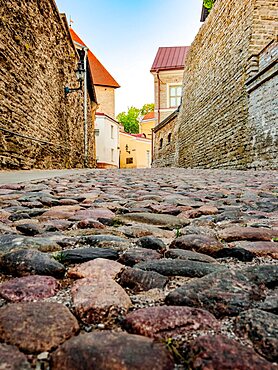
140,269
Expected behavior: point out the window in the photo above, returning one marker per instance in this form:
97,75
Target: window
112,132
112,155
175,93
160,143
169,137
97,132
129,160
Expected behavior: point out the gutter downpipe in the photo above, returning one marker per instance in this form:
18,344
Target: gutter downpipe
152,147
158,111
158,96
85,111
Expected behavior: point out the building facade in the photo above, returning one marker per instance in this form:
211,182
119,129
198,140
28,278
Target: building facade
164,141
147,124
167,70
107,141
40,126
229,112
135,150
106,127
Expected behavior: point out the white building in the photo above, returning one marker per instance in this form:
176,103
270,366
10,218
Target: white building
107,141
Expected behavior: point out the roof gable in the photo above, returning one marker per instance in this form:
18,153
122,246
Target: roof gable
170,58
100,74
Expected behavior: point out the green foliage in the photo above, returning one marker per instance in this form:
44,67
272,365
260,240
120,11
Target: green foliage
147,108
208,4
173,348
58,256
130,119
178,233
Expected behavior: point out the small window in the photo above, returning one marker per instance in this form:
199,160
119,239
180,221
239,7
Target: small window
112,132
175,93
169,137
129,160
97,132
160,143
112,155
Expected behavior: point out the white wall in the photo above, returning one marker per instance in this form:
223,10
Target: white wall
105,142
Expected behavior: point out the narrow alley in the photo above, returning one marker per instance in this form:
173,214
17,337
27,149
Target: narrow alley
139,269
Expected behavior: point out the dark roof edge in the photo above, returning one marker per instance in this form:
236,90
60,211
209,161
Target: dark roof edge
166,120
90,83
177,68
112,86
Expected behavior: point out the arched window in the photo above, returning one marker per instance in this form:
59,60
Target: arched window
169,137
160,143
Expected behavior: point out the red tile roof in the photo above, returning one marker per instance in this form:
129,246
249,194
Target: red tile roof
149,115
100,74
168,58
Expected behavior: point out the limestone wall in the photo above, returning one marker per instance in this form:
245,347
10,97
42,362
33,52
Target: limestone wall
164,151
262,90
214,128
106,100
38,60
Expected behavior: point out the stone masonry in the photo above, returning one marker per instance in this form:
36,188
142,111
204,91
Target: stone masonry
38,60
143,269
106,100
263,107
164,145
229,115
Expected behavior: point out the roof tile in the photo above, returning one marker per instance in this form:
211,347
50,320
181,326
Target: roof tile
100,74
147,116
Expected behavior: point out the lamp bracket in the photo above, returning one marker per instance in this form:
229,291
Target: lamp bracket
69,90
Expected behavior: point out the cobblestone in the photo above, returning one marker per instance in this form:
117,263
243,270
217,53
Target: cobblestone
145,213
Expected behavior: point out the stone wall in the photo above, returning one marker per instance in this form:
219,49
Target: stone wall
263,109
106,100
164,151
38,60
214,129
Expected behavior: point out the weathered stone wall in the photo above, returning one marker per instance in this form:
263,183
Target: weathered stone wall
164,156
38,60
106,100
214,127
263,109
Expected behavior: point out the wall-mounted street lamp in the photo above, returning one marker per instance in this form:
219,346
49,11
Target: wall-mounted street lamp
80,76
126,149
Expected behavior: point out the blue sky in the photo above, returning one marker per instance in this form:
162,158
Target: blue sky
125,35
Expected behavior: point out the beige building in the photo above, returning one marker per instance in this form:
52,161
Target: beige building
135,150
146,124
167,70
